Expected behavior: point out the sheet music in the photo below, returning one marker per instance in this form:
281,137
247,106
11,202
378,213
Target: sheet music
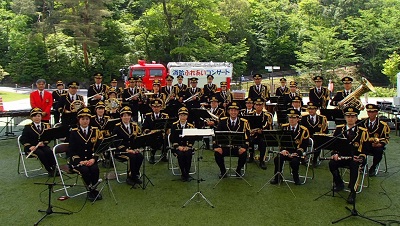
197,132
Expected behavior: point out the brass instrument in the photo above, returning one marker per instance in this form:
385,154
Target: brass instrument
133,96
353,99
228,97
376,140
91,97
166,102
77,105
339,158
191,97
112,104
254,131
263,95
213,116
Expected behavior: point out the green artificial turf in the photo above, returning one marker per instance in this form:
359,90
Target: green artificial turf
235,202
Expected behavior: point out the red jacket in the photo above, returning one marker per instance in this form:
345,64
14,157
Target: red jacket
44,104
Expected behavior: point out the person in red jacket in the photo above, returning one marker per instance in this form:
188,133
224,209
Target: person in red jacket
42,99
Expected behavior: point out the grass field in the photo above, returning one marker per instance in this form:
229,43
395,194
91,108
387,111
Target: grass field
235,202
11,96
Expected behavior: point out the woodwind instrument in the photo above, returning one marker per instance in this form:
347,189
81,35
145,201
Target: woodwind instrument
31,152
339,158
91,97
134,95
191,97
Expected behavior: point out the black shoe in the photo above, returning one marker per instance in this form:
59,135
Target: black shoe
130,181
274,181
297,181
251,158
238,172
137,180
338,188
95,194
152,160
190,178
262,165
223,175
164,158
352,197
371,171
184,178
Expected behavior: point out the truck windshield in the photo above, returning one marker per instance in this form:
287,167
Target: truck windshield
137,73
155,72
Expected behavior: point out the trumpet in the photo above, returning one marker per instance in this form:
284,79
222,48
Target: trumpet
191,97
133,96
91,97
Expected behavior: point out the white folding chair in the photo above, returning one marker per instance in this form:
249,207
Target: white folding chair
23,162
307,160
114,161
65,172
362,177
173,161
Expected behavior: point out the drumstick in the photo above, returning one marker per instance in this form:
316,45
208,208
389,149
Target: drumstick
30,153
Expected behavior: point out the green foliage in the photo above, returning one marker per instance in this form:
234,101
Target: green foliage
391,67
383,92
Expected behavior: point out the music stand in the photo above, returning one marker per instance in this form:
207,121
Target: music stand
163,124
104,146
282,139
197,134
138,143
54,133
230,139
332,114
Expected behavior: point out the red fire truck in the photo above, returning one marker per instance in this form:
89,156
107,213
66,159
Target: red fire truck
148,73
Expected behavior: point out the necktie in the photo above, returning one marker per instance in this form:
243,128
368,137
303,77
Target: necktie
38,128
350,134
41,95
193,90
84,133
319,91
232,123
128,129
72,97
371,125
293,128
258,88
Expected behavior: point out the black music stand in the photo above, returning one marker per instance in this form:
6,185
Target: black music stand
163,124
104,146
138,143
282,139
202,114
54,133
49,209
199,157
254,121
230,139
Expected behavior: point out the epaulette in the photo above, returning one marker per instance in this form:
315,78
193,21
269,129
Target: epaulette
312,88
285,124
223,118
175,123
342,125
93,116
303,127
106,116
149,113
305,114
94,128
341,91
134,123
244,120
118,124
363,129
287,92
383,123
164,114
64,94
47,125
190,124
74,129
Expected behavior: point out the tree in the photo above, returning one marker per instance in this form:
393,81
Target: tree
391,67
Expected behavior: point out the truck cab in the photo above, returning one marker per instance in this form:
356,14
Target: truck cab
148,72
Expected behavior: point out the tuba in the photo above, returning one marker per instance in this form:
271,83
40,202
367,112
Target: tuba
112,104
353,99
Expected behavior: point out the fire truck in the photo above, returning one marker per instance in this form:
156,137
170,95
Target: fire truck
222,71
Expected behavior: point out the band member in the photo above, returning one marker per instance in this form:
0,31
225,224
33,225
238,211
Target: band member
182,147
181,88
378,136
256,133
114,104
83,143
209,89
150,124
30,139
56,98
282,89
193,94
315,124
213,121
224,96
235,124
319,95
258,90
300,136
97,91
293,92
171,97
42,99
114,85
131,97
249,107
340,95
66,107
128,131
297,103
99,119
356,136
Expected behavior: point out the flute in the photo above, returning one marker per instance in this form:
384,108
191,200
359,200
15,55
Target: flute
339,158
31,152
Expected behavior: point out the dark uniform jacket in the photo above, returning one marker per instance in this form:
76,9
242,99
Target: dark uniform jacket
181,90
288,97
263,93
127,138
320,125
149,121
64,106
56,97
319,99
380,130
176,140
167,93
92,90
340,95
244,112
279,92
300,137
30,135
357,143
195,102
83,148
208,92
241,125
266,120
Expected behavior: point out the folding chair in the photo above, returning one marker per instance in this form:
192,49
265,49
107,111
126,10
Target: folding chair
173,161
22,160
362,176
64,172
60,140
307,160
377,169
121,159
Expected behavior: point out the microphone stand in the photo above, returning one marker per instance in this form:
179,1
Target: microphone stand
49,209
